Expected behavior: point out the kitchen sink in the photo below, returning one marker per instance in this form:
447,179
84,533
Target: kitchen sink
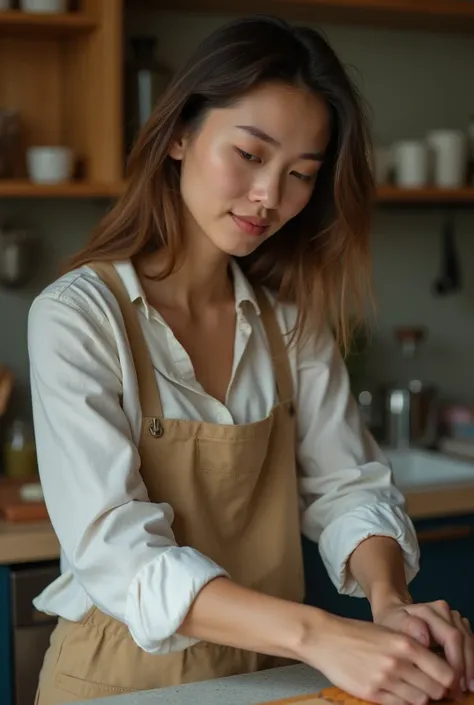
416,468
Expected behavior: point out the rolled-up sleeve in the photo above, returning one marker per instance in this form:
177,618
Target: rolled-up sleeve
120,547
346,484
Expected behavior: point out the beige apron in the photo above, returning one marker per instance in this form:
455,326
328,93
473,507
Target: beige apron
233,489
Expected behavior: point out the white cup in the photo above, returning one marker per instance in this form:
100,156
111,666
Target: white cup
5,4
46,6
49,165
449,157
411,163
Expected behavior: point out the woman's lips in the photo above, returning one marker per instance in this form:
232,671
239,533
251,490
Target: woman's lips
251,226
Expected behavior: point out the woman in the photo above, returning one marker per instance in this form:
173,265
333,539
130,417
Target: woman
182,371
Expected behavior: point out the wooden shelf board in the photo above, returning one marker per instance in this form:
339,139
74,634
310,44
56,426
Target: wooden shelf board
27,24
444,15
429,195
22,188
73,189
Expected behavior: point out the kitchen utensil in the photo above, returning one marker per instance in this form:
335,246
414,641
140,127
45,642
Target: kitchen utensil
410,407
449,157
17,256
411,163
449,279
44,6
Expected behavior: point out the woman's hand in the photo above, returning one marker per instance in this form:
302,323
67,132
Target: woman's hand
376,663
435,623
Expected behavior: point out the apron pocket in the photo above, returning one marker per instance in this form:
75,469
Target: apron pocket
87,689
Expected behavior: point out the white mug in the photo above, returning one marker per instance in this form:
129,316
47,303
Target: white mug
46,6
449,157
50,165
411,163
5,4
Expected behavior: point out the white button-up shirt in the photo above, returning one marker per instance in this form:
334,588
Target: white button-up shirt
117,548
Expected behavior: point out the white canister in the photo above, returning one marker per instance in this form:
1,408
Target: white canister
449,157
49,165
411,163
46,6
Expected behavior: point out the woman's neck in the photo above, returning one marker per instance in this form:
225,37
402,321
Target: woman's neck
202,280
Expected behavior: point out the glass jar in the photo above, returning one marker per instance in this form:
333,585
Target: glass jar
19,451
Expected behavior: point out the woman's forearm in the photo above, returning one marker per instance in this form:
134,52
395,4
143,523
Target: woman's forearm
377,565
226,613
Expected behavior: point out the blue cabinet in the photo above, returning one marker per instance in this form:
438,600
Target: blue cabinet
5,637
447,572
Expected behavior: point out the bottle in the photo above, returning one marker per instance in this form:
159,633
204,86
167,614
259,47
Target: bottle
19,451
146,80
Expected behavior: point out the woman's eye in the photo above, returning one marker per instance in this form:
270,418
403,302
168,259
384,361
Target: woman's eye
247,156
303,177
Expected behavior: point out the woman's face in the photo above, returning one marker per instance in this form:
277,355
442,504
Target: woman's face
253,166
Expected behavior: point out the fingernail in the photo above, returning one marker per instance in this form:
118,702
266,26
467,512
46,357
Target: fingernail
471,686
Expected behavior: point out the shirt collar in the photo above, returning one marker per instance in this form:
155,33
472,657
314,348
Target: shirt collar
132,284
243,290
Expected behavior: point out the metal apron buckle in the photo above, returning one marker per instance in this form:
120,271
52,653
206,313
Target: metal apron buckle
156,428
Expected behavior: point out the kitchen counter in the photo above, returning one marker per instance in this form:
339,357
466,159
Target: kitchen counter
250,689
28,542
36,541
440,500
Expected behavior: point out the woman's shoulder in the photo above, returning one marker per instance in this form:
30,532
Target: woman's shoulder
80,291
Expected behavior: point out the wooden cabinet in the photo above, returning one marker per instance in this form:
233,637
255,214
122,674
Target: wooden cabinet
63,74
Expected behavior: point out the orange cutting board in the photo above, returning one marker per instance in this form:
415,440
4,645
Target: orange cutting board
336,696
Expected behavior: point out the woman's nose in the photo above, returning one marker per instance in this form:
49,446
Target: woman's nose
267,190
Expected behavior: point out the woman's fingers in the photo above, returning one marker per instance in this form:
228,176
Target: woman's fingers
464,628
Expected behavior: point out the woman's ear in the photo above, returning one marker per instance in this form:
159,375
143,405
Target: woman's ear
178,146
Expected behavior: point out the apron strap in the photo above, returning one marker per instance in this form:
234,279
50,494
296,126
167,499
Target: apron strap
150,401
278,348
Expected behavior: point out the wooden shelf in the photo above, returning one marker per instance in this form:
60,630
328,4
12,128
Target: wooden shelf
22,188
14,23
428,195
439,15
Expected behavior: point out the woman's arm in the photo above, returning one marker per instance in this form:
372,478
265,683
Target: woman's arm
366,660
119,545
377,566
346,484
354,511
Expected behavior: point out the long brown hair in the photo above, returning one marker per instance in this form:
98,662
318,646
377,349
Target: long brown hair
320,259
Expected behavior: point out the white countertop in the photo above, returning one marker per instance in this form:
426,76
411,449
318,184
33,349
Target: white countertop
250,689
